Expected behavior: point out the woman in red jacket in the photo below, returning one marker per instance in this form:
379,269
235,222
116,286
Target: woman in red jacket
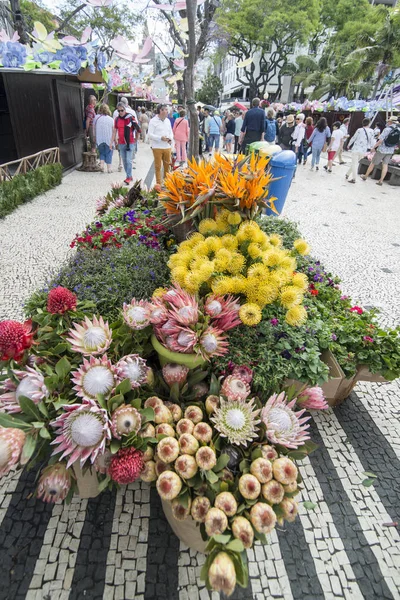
181,136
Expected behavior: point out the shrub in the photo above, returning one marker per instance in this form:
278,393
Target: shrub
23,188
283,227
111,276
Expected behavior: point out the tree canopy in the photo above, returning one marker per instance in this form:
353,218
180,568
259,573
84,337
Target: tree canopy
209,91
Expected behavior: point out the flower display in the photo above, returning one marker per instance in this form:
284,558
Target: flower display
11,444
95,376
235,388
31,385
236,420
137,314
125,420
61,300
312,399
173,373
90,337
284,426
126,465
15,338
134,368
54,483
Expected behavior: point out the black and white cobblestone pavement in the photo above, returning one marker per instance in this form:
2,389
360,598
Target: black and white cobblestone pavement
119,546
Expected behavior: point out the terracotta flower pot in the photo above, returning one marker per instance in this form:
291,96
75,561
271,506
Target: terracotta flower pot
166,356
88,484
187,531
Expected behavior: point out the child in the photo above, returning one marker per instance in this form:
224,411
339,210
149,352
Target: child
334,144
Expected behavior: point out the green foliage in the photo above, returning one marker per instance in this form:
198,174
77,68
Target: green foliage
23,188
112,276
287,229
208,93
32,11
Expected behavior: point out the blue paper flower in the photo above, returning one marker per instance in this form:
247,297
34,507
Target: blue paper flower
81,52
44,57
14,55
70,62
101,60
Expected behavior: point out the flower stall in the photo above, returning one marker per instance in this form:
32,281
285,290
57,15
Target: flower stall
198,372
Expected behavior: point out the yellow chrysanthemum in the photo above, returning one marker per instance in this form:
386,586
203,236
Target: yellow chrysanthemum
275,240
254,250
207,226
222,215
234,218
200,250
272,258
261,238
258,271
288,262
237,284
198,262
195,238
290,296
302,247
283,276
247,231
300,280
179,275
229,241
191,283
220,286
213,243
159,292
250,314
236,264
261,294
205,271
222,259
222,227
186,245
296,316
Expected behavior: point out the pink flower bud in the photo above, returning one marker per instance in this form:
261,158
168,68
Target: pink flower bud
285,471
216,522
262,469
169,484
243,531
249,487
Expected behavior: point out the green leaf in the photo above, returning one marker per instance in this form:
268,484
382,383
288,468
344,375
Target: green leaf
44,433
214,386
59,348
43,409
368,482
136,403
309,447
114,402
104,483
211,476
28,449
63,367
257,453
221,463
29,408
369,474
124,387
196,378
147,414
297,455
309,505
102,401
174,392
9,421
222,538
115,446
235,546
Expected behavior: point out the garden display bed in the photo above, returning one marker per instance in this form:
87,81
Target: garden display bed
392,177
194,366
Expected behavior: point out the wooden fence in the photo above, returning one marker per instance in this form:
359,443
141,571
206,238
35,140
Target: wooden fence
29,163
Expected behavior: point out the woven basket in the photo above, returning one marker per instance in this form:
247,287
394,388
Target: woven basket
181,231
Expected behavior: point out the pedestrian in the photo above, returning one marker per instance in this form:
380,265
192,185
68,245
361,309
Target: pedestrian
361,143
298,138
213,128
320,139
285,139
103,136
126,128
271,127
309,129
253,127
90,115
230,133
344,128
385,147
171,116
335,143
144,124
238,127
181,136
130,111
160,137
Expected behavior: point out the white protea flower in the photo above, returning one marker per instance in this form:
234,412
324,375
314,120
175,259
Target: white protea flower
236,420
235,388
94,376
137,314
125,420
134,368
90,337
82,431
284,426
31,385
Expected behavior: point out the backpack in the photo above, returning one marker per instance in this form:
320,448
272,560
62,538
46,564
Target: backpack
393,138
270,130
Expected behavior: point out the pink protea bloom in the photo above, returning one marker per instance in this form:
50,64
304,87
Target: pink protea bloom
15,338
244,372
177,297
126,465
31,385
136,314
81,432
101,205
125,420
90,337
234,388
54,483
224,310
312,399
11,444
61,300
174,373
186,314
134,368
158,312
212,342
183,340
119,202
94,376
284,426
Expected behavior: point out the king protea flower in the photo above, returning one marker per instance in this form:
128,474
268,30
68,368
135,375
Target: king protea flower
224,311
222,574
177,297
81,432
174,373
54,483
94,376
169,485
15,338
187,314
136,314
31,385
11,443
101,205
90,337
235,388
179,339
213,342
134,368
125,420
284,426
236,420
312,399
126,465
158,312
262,517
61,300
244,372
243,531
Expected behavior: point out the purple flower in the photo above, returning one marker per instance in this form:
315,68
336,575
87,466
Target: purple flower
81,52
44,57
274,322
70,62
286,354
318,278
334,337
14,55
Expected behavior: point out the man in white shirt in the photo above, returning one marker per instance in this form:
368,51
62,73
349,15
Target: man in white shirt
335,143
160,137
345,129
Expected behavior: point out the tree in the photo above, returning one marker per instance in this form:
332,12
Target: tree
209,91
33,11
268,29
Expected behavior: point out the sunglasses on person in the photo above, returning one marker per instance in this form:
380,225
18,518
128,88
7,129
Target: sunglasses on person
121,110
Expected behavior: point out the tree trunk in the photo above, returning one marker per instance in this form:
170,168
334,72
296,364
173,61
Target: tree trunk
191,6
180,91
18,21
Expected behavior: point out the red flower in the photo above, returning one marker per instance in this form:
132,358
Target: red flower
357,309
60,300
126,465
15,338
314,292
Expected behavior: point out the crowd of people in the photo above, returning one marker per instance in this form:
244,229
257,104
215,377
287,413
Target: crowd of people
168,129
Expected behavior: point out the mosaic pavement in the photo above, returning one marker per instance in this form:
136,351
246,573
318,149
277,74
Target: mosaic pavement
119,546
